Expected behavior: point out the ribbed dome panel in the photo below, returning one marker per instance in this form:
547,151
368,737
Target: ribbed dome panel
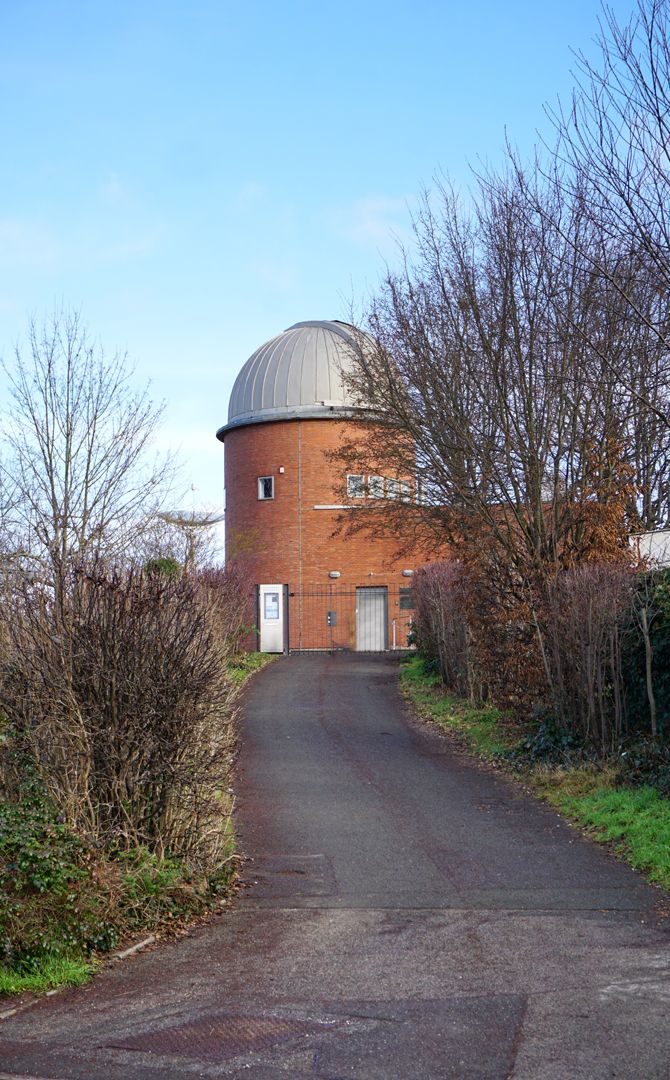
297,373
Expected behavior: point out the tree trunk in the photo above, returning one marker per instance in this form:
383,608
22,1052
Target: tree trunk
648,655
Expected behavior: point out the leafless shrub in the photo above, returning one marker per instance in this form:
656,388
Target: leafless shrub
587,609
116,688
441,627
231,599
562,651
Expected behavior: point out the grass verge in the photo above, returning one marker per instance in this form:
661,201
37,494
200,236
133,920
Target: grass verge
634,822
47,974
482,727
246,664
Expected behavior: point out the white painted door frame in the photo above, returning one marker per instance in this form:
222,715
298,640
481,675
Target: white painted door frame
271,618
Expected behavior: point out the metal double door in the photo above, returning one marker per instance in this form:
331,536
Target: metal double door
372,619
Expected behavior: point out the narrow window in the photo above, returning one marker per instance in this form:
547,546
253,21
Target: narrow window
266,487
271,606
376,487
392,489
355,487
406,600
405,490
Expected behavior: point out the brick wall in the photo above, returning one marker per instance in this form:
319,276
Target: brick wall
286,540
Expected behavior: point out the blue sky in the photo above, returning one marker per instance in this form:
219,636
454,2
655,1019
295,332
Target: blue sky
197,176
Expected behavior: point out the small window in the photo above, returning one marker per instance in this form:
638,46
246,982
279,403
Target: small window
405,490
392,489
266,487
376,487
407,600
355,487
271,606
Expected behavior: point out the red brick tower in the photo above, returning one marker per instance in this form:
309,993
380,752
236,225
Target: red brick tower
283,497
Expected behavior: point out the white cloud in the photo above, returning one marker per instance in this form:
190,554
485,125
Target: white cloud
133,246
26,243
30,244
249,195
277,275
184,441
113,191
376,221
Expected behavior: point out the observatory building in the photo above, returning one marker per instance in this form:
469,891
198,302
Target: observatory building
316,589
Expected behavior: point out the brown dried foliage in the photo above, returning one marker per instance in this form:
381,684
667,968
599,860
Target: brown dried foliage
560,651
114,687
585,615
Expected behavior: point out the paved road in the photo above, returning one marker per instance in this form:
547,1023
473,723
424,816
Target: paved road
409,916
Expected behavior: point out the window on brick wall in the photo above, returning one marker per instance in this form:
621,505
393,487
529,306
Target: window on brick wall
398,489
406,600
266,487
376,487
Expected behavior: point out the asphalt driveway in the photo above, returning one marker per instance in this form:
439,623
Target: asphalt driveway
408,915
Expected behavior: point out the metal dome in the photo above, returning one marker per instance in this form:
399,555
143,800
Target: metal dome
295,375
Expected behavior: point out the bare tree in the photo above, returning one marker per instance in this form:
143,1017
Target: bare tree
482,390
488,377
76,474
613,149
519,378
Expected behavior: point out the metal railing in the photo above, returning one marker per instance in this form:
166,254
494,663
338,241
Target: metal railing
362,618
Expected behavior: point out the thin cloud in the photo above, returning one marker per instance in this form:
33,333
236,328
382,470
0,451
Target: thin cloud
277,275
113,191
27,243
377,221
249,195
134,246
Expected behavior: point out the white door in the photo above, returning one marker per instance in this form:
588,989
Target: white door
271,618
371,619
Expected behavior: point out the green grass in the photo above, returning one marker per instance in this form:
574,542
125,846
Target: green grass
634,821
245,664
556,783
48,973
64,899
146,875
483,727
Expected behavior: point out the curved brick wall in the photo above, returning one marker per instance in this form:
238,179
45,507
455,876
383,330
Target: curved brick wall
286,540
